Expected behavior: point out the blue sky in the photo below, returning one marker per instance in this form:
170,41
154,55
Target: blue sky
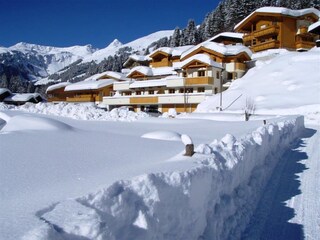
78,22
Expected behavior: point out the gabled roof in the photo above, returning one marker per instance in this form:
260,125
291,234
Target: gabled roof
107,74
173,51
225,50
4,90
147,71
278,10
226,35
22,97
89,85
137,58
57,86
202,58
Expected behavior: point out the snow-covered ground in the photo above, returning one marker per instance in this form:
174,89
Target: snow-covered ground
64,178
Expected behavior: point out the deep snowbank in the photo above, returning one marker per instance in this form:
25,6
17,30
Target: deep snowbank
77,111
215,199
289,80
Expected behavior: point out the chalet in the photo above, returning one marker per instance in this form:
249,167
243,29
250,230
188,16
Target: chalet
4,92
136,60
22,98
89,90
232,57
56,93
179,84
278,27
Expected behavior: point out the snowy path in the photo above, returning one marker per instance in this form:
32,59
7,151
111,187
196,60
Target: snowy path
290,206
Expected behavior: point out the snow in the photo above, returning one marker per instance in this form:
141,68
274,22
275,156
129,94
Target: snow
88,111
57,86
163,135
204,58
21,97
107,74
62,177
275,86
186,139
282,11
226,34
148,71
89,85
4,90
227,50
149,83
139,45
313,26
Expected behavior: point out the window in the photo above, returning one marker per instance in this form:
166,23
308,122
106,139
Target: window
127,93
215,90
184,74
201,73
181,90
171,91
151,91
189,90
218,75
138,92
201,89
254,41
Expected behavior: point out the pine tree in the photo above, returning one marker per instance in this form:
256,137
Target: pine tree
175,39
191,33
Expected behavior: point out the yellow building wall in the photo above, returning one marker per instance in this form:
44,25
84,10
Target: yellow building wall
288,30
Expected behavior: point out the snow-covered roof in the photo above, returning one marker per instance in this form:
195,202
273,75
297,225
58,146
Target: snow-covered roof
148,83
226,50
312,27
226,34
57,86
89,85
167,50
3,90
282,11
21,97
147,71
137,58
204,58
108,74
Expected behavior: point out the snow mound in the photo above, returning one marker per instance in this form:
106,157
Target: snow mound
26,122
163,135
79,111
216,198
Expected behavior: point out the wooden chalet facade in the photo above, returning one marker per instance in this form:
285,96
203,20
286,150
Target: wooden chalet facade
179,78
275,27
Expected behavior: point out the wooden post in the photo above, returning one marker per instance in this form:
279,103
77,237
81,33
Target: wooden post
189,150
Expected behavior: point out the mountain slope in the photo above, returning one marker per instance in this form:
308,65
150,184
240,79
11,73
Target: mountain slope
279,83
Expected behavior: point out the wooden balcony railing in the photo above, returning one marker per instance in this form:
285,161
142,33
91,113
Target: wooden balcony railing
143,100
81,99
199,81
265,45
272,30
304,44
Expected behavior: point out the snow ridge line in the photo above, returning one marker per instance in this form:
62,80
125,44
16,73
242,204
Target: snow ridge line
215,200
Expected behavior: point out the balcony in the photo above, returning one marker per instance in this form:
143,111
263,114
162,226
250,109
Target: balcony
199,81
268,31
265,45
121,85
304,44
81,99
144,100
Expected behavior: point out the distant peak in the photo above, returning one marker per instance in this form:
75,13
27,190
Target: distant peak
115,43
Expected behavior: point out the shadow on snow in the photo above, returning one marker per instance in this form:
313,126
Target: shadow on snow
271,218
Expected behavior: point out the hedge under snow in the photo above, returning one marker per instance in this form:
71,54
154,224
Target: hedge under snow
214,200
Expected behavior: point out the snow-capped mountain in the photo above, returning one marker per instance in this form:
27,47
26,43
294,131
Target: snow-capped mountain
35,63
